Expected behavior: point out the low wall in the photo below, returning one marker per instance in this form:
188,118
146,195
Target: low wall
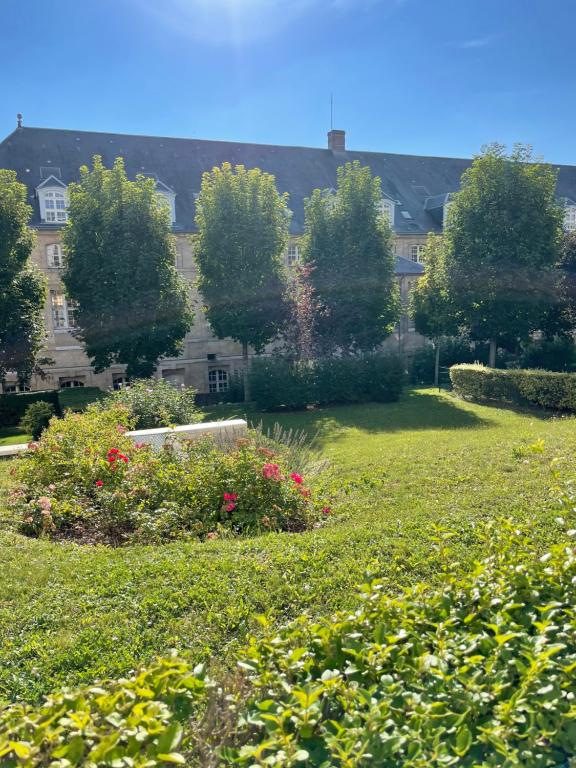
223,432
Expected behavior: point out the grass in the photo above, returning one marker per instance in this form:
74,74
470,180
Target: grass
13,435
70,613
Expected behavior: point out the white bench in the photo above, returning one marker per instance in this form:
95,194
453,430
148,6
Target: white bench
224,433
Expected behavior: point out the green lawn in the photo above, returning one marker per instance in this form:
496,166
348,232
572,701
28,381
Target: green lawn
13,435
71,613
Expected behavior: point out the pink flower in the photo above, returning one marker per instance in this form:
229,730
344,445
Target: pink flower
230,497
305,491
45,503
326,510
138,446
99,483
212,535
121,428
271,471
298,479
230,507
33,446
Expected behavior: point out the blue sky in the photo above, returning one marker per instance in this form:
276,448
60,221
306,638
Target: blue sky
437,77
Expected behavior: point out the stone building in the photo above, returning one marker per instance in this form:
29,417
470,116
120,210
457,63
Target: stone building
415,190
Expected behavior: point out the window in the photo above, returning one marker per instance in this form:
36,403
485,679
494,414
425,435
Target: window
169,202
293,254
217,381
54,207
14,387
119,381
71,383
570,218
63,311
417,253
54,255
387,210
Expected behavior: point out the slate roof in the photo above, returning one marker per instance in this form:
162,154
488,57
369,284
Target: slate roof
408,267
179,163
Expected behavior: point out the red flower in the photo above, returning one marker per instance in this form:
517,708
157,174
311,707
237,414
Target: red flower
113,451
230,507
99,483
298,479
230,497
111,457
271,472
123,458
326,510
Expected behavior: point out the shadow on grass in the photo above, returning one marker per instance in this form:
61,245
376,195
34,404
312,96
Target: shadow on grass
416,410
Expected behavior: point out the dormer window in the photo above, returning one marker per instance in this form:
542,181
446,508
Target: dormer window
570,218
53,199
167,197
386,207
54,255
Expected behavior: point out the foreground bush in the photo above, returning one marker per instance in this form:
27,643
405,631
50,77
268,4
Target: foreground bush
544,389
278,383
156,403
478,672
85,479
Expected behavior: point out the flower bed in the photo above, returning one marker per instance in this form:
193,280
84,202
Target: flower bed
85,479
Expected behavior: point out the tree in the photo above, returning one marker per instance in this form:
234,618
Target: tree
299,335
133,306
349,244
22,287
502,242
430,304
242,233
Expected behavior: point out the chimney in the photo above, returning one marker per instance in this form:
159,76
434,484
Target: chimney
337,140
19,120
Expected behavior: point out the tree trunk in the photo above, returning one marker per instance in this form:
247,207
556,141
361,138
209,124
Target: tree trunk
437,365
492,357
245,365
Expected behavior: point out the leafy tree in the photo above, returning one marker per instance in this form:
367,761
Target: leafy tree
502,243
22,287
349,244
133,307
430,304
243,230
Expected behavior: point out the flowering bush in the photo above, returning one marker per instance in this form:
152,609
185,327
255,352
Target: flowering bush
85,479
156,403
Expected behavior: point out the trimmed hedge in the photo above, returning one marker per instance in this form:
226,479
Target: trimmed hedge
79,398
276,383
478,671
13,405
545,389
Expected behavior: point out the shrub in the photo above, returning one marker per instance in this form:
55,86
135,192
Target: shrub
279,383
553,355
86,480
478,671
544,389
135,722
37,417
453,351
13,405
78,398
156,403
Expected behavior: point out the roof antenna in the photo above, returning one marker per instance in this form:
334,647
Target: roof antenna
19,120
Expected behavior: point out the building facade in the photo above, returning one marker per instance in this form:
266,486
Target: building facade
415,197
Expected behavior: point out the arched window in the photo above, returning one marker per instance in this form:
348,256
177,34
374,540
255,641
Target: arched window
217,380
54,207
387,210
54,255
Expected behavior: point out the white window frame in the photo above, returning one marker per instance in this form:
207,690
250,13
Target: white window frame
293,254
387,210
416,252
218,380
53,205
63,311
570,218
54,256
169,199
